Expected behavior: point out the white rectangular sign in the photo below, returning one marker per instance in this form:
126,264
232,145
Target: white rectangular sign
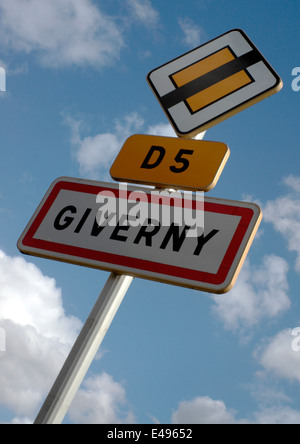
100,225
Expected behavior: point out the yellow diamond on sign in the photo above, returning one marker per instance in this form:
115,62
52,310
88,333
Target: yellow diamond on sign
213,82
170,163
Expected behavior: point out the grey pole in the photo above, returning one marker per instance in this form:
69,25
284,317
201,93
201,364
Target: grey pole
84,350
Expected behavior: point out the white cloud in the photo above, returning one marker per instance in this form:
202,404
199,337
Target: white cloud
100,402
61,32
166,130
28,368
193,34
293,182
95,152
28,298
202,410
284,214
142,11
281,415
259,292
38,336
278,356
161,129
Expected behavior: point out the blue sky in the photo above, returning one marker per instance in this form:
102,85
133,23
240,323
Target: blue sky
76,90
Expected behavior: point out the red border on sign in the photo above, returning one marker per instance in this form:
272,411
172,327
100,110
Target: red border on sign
246,215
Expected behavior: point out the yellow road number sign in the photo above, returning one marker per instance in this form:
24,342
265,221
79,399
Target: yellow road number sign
170,163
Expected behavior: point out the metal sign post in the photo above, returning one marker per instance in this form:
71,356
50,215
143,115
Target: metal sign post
84,350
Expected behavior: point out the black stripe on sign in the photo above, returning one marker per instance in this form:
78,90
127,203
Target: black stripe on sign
211,78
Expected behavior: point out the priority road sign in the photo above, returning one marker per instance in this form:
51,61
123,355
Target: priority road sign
80,222
168,162
213,82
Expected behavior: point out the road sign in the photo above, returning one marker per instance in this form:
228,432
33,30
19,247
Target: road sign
69,225
170,163
213,82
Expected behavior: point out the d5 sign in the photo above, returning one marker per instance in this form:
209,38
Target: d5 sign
166,162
